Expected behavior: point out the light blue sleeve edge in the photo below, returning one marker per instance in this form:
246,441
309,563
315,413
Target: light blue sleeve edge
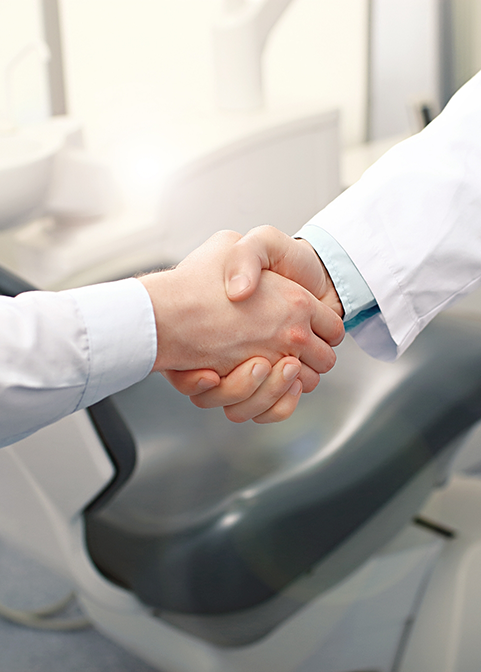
357,299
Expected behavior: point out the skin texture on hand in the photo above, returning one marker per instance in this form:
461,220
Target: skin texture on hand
199,328
254,390
262,248
268,248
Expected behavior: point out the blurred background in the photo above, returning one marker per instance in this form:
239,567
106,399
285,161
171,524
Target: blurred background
133,129
132,64
156,87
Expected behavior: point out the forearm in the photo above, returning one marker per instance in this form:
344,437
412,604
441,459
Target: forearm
411,225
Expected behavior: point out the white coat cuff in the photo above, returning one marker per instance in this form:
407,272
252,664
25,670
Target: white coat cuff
352,289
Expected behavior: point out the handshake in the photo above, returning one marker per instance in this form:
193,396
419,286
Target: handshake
247,323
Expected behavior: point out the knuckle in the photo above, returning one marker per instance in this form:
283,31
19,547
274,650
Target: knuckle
227,235
328,361
309,381
278,414
237,397
200,400
299,335
338,332
263,229
273,415
302,300
234,415
282,409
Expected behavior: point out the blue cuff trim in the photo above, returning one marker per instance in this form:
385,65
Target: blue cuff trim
356,297
361,317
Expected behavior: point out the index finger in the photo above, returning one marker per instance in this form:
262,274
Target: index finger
239,385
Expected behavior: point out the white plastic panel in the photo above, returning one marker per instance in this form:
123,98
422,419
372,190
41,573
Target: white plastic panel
47,479
445,637
358,625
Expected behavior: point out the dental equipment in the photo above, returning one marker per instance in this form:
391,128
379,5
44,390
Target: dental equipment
200,545
239,37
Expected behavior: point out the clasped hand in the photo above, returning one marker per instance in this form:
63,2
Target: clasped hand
247,323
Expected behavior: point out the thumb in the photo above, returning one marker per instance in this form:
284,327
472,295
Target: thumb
261,248
243,268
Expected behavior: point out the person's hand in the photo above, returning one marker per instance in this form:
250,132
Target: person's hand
263,248
241,392
199,328
268,248
253,390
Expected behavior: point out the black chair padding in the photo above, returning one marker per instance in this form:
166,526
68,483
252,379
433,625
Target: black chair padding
11,284
218,520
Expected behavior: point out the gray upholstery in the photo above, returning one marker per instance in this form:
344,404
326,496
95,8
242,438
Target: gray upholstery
220,522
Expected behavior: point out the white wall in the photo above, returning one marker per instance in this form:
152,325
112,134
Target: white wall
20,24
404,63
135,62
406,58
467,15
319,52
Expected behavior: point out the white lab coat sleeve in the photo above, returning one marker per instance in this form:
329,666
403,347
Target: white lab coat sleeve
412,225
62,351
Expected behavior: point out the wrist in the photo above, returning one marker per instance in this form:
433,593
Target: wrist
158,286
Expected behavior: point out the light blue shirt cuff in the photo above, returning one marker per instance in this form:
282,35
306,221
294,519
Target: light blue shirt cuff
120,325
357,299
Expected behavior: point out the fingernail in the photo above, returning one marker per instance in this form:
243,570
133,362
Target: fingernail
237,284
290,371
206,384
260,371
295,388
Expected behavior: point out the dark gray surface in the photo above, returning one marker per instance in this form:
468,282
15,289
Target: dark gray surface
219,519
24,584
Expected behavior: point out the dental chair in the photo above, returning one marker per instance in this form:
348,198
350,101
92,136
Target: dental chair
324,544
